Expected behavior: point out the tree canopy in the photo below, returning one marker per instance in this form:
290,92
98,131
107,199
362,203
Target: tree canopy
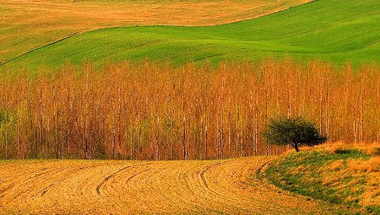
293,131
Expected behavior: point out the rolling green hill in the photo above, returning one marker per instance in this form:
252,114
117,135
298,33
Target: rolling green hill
331,30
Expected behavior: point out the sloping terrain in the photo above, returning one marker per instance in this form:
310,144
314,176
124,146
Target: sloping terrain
332,30
26,24
130,187
338,173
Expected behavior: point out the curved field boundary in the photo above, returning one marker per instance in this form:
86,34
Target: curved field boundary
114,27
44,46
25,25
122,187
308,31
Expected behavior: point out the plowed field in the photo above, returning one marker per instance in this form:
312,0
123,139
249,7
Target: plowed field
130,187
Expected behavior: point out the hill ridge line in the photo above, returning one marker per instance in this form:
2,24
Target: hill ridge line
158,25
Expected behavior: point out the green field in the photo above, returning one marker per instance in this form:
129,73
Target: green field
331,30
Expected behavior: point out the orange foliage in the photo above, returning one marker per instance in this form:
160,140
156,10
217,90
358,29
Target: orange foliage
190,112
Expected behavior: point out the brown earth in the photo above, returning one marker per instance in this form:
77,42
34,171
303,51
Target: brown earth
132,187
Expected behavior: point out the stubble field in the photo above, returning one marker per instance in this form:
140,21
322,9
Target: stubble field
130,187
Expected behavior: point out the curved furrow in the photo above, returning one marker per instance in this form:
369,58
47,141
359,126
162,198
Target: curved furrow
109,177
119,188
62,176
150,185
165,187
26,185
193,196
75,188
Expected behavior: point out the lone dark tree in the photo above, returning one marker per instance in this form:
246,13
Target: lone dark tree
293,131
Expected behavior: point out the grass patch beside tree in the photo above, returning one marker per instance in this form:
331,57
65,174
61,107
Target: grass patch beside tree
348,176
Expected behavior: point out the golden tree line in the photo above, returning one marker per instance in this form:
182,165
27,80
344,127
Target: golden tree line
159,112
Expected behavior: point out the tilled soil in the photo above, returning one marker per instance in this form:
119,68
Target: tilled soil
134,187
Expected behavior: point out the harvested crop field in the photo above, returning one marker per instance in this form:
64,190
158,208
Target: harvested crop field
130,187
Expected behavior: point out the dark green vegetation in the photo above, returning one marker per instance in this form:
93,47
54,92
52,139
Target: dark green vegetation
294,132
332,30
343,176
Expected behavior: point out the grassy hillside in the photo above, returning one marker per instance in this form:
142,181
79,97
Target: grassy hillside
332,30
340,174
26,25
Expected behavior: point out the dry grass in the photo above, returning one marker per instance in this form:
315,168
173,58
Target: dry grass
342,173
26,25
119,187
367,166
371,149
366,174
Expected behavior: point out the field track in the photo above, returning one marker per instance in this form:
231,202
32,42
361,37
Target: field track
125,187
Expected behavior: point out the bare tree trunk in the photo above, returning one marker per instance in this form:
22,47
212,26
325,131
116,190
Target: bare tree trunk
184,137
158,141
221,137
171,148
6,140
206,155
296,147
229,136
113,140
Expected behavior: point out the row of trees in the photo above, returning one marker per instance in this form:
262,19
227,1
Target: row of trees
159,112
